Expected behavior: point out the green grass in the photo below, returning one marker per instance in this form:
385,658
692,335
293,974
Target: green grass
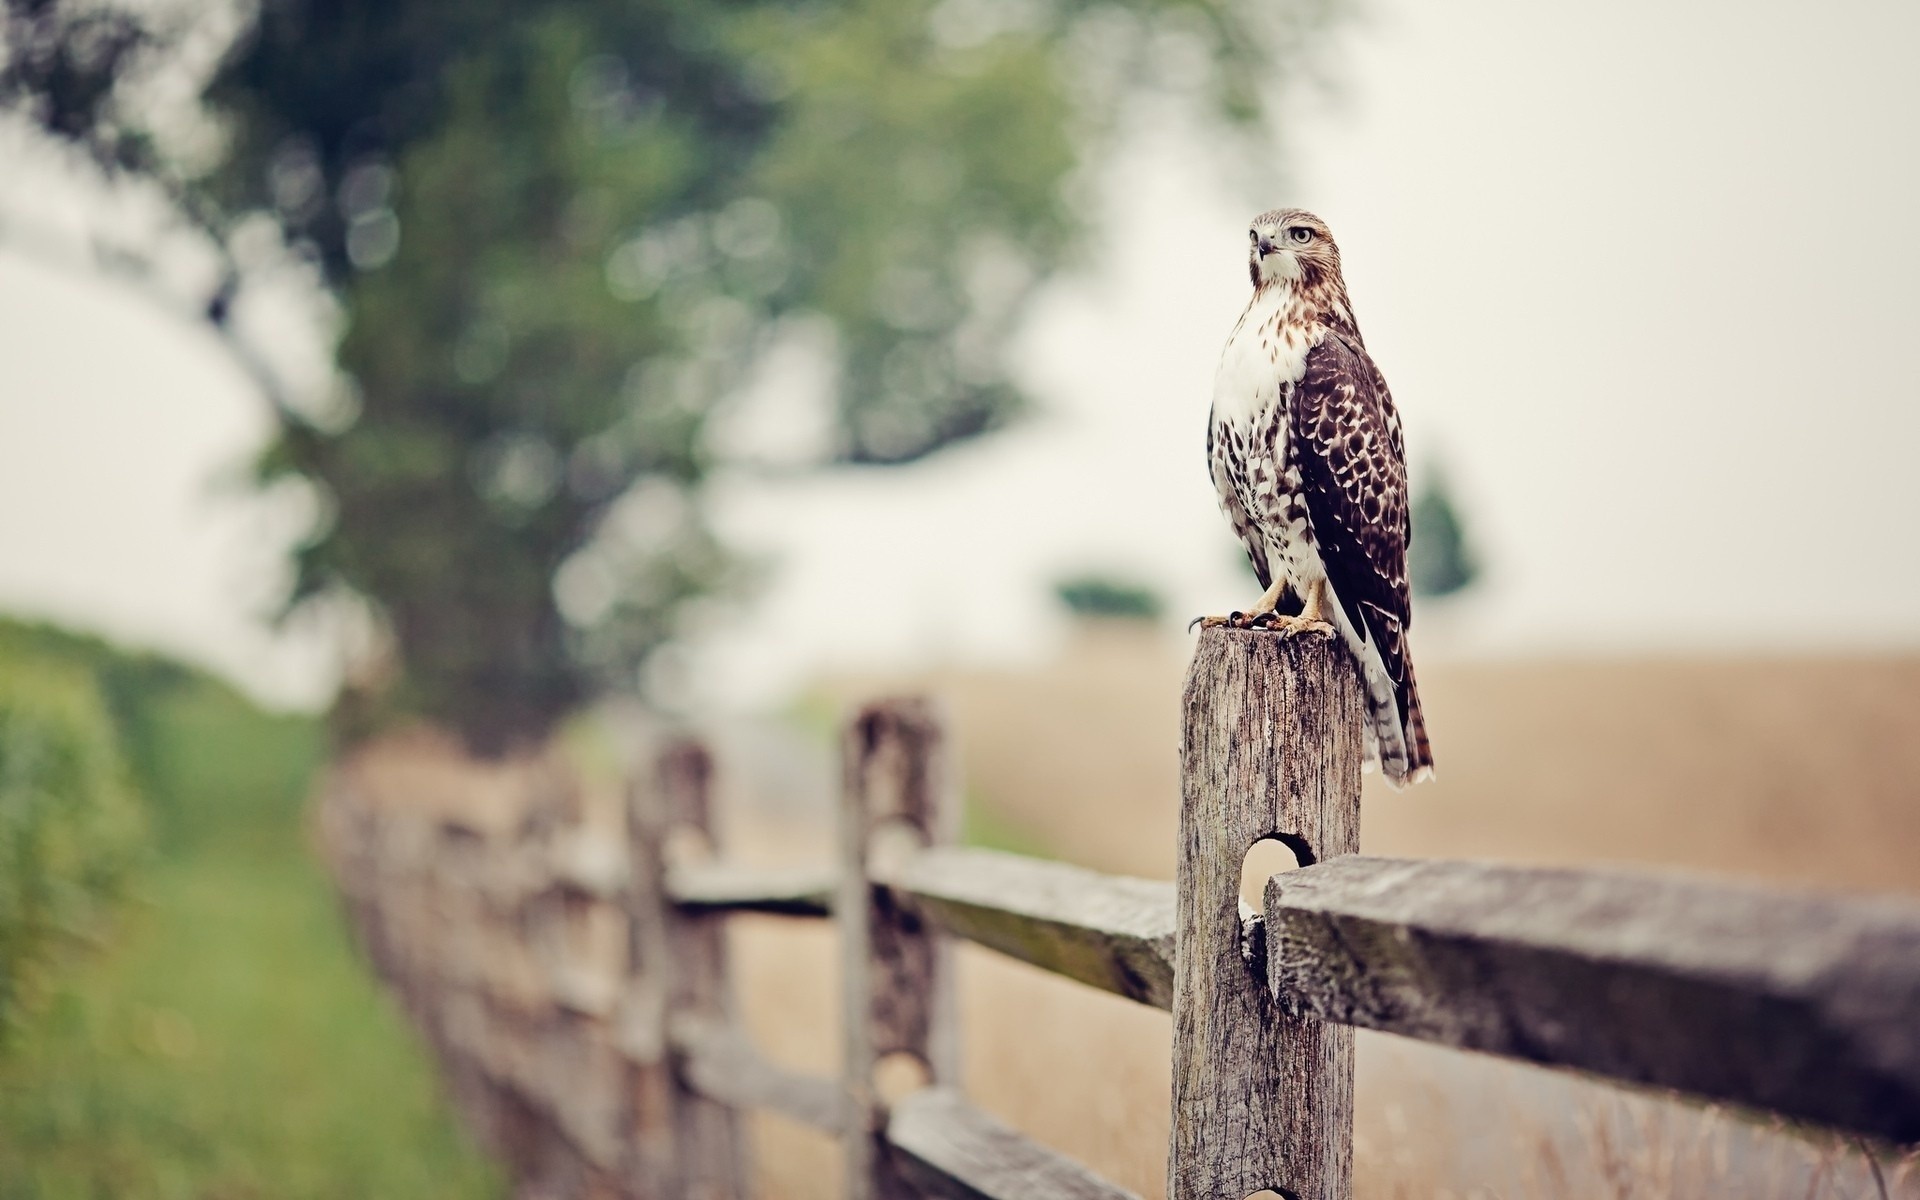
227,1042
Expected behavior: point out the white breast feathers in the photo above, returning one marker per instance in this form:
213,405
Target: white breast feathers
1264,351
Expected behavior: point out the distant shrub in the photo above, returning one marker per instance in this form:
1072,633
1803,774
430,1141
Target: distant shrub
1096,596
1440,559
135,685
69,822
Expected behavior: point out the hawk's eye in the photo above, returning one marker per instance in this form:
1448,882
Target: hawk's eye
1300,235
1253,235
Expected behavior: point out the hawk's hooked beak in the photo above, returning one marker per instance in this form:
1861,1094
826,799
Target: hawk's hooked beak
1266,246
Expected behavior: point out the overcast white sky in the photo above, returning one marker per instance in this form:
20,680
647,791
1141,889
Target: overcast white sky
1643,274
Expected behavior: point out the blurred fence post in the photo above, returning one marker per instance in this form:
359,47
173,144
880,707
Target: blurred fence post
649,1089
896,974
1271,748
711,1145
682,1144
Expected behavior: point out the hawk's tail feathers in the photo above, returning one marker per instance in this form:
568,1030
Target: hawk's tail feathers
1413,724
1395,730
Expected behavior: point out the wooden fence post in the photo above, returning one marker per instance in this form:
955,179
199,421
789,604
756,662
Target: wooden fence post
649,1088
712,1145
684,1144
897,977
1271,748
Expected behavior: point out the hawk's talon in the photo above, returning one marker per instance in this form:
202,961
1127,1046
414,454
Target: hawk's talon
1240,620
1288,627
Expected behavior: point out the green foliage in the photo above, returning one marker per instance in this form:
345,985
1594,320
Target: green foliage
228,1045
221,1039
563,233
176,728
69,827
132,683
1440,562
1098,596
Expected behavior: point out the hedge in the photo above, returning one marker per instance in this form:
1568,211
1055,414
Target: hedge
70,823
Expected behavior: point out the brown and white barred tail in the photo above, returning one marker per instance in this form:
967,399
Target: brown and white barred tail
1413,724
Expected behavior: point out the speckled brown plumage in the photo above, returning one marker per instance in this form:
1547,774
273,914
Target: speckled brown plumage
1306,453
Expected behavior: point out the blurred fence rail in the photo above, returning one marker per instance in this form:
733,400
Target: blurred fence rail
632,1082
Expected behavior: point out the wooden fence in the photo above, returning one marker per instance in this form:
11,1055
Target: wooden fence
1807,1007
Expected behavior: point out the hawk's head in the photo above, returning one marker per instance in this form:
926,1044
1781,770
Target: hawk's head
1292,245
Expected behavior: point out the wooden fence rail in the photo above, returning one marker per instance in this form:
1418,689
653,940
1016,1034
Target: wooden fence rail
1804,1006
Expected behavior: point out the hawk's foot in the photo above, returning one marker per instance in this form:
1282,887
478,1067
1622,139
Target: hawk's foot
1233,620
1256,617
1287,626
1273,622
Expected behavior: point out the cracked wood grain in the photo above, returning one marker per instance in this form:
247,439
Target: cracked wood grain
1262,1097
1805,1005
1107,931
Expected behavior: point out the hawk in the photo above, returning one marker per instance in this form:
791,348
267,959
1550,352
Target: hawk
1305,451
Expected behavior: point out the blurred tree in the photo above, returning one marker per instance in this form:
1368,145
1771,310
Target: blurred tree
1439,560
1100,596
562,233
61,64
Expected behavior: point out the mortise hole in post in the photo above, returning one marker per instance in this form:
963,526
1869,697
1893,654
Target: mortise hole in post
900,1074
892,843
1268,857
1273,1194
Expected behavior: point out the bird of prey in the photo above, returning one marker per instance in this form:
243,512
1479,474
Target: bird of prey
1305,450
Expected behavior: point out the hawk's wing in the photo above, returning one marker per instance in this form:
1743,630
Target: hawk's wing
1353,475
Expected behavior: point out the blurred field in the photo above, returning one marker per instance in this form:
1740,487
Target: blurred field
222,1041
1790,771
1793,772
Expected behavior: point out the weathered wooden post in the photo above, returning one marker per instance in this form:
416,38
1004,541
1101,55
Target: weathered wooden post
642,1031
1271,749
682,1143
712,1146
897,976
